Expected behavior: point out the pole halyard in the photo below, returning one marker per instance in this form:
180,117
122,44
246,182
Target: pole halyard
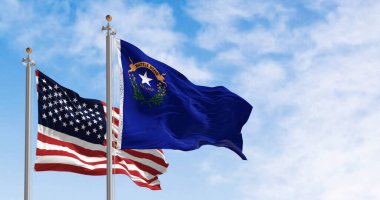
28,118
109,36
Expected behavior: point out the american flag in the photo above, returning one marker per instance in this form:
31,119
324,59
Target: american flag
71,138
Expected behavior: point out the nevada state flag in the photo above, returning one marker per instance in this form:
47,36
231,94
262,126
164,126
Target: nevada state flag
161,108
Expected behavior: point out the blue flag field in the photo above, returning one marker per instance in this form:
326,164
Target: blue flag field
161,108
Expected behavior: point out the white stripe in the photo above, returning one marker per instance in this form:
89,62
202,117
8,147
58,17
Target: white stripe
156,182
121,93
144,161
153,152
46,146
67,138
78,163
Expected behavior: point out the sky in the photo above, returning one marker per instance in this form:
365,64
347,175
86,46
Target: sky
310,69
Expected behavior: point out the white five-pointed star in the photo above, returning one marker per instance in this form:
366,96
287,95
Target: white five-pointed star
145,78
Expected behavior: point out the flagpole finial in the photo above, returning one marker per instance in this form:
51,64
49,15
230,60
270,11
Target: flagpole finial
29,50
28,61
108,27
109,18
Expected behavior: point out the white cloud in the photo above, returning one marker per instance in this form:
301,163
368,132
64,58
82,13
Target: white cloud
230,23
216,179
315,115
73,33
148,26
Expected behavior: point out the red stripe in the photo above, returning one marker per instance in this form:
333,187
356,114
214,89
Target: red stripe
101,154
85,171
151,157
44,152
115,134
117,110
147,168
91,153
115,121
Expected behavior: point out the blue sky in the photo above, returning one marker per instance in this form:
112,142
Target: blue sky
309,68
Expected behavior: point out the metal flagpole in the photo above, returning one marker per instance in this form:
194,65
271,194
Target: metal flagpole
28,118
110,34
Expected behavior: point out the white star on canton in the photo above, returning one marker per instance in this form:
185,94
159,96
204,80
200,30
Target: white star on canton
44,89
96,106
94,130
76,129
64,124
44,97
55,102
97,113
98,136
71,123
99,118
50,104
59,94
87,132
60,118
55,94
75,100
90,110
77,120
43,80
79,107
66,115
95,122
44,107
55,86
145,78
101,127
54,120
89,123
84,104
83,127
50,88
50,96
50,113
44,116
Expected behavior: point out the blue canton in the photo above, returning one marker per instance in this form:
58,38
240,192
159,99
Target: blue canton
65,111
